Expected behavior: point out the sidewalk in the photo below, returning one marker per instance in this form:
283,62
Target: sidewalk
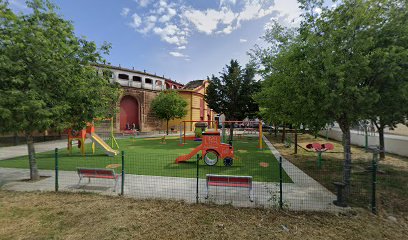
21,150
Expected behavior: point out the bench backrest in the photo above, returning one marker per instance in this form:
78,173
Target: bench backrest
229,179
96,172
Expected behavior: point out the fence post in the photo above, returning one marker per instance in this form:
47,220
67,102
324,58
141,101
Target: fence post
280,183
122,186
374,183
56,170
198,158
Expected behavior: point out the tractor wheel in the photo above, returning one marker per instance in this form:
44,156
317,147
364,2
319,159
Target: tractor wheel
211,157
228,161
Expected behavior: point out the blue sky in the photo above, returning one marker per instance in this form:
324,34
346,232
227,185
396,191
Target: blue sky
183,39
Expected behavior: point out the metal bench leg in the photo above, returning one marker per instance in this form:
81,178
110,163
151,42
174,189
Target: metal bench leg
80,178
206,197
251,197
116,182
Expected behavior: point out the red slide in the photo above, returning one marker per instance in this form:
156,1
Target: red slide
186,157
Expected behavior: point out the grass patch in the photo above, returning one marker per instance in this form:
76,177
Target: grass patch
149,157
90,216
392,188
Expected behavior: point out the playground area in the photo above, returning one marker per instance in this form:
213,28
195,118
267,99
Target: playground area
149,156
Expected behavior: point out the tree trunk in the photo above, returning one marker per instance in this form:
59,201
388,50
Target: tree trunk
34,175
167,131
296,141
345,128
231,132
16,140
382,143
283,134
276,130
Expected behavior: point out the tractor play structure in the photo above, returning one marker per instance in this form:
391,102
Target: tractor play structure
246,130
320,148
211,149
89,132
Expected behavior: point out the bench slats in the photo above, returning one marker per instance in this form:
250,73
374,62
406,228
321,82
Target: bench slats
229,181
245,185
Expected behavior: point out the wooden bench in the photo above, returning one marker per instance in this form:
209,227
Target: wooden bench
229,181
102,173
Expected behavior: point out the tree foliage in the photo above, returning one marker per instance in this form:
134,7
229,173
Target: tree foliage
340,65
169,105
47,80
232,92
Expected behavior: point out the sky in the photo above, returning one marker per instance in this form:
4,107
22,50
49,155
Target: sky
183,40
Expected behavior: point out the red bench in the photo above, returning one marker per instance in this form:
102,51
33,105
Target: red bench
103,173
229,181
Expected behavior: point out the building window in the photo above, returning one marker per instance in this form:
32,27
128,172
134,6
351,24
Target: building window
136,78
123,76
148,81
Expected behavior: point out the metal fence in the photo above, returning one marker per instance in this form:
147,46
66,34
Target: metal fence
250,183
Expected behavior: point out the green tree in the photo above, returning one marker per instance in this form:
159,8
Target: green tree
327,67
46,77
232,93
169,105
287,95
389,61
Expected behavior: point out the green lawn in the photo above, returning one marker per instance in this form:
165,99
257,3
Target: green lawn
149,157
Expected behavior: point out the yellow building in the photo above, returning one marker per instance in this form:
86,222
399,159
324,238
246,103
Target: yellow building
197,109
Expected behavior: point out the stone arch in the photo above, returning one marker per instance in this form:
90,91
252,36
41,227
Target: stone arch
129,112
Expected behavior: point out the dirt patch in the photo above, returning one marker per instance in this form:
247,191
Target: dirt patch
88,216
32,181
392,188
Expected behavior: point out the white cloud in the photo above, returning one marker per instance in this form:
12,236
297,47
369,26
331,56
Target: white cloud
288,12
167,17
181,47
177,54
175,21
317,10
203,21
143,3
227,2
243,40
171,34
136,21
125,12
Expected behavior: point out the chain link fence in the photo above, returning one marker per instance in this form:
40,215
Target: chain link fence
252,179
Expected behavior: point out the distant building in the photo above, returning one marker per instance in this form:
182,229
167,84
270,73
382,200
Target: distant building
140,88
193,92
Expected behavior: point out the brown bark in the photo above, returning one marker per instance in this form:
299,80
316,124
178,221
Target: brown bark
276,130
296,141
345,128
283,134
382,142
231,132
167,130
34,175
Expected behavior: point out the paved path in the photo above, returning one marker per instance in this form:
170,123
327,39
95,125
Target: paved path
304,194
21,150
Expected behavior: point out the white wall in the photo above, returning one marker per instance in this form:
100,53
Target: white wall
393,143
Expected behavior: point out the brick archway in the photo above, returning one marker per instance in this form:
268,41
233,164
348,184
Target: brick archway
129,112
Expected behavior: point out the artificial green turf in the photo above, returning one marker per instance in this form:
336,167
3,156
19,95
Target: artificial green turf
149,157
